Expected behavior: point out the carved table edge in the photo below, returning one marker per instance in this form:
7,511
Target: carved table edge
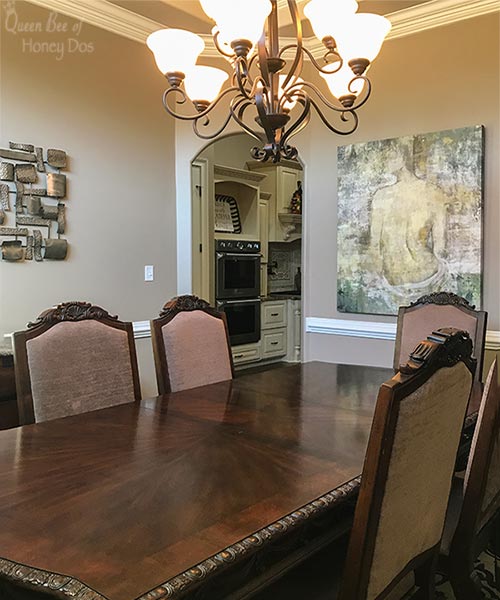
75,589
180,584
54,582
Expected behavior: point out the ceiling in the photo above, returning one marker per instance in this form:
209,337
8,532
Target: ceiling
188,14
136,19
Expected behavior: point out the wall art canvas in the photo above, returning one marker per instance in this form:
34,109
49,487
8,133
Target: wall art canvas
409,220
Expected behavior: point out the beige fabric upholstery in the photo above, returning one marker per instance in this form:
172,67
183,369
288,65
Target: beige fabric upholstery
77,367
491,499
196,349
419,323
419,477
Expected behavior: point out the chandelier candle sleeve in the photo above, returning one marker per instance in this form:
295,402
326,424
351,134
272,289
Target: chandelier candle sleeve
267,95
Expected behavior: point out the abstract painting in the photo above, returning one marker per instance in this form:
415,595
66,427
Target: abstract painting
409,220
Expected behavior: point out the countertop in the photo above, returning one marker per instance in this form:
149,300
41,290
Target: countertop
281,296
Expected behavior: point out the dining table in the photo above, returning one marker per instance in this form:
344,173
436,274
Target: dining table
204,493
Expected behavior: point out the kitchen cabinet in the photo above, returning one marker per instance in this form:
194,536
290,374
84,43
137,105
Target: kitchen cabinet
246,353
281,182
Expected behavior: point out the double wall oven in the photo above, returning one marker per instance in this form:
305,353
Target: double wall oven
237,288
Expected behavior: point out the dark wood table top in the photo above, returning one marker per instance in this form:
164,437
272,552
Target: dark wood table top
128,498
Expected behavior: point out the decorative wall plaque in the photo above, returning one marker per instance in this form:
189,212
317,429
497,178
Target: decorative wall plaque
26,173
56,158
28,166
6,171
56,185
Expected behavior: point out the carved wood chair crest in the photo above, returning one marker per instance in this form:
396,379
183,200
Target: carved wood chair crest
183,303
445,347
443,298
71,311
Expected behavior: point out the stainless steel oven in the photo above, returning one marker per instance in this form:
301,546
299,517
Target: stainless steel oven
237,288
237,269
243,320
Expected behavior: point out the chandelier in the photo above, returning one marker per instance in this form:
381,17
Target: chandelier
266,95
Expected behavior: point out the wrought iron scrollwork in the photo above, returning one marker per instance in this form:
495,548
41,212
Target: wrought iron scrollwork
256,84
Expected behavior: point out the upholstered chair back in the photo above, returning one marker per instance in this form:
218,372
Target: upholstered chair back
191,345
74,359
409,467
482,477
433,312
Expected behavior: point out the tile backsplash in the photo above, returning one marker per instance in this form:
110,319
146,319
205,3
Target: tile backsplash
284,260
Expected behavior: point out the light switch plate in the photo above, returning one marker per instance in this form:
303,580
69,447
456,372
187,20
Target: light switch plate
149,273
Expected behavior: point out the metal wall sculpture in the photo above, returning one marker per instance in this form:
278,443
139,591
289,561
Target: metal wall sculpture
409,220
33,209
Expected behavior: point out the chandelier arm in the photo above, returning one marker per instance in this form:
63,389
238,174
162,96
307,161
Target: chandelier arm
296,68
184,97
219,47
339,108
264,121
238,117
210,136
263,56
241,71
342,116
301,121
339,61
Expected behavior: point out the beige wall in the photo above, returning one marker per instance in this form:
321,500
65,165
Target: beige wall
425,82
104,108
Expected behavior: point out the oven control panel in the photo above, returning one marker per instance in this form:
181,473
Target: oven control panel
237,246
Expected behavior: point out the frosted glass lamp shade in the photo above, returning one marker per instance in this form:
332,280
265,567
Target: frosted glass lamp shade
204,83
326,15
338,82
175,50
238,19
289,104
361,36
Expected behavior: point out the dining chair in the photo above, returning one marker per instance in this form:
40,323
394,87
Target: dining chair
475,504
72,359
431,312
405,484
190,345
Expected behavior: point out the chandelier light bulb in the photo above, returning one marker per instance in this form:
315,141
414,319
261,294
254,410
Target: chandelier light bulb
204,83
326,16
238,19
338,82
361,36
175,50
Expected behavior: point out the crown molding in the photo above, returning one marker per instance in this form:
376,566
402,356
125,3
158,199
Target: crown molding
124,22
437,13
114,18
422,17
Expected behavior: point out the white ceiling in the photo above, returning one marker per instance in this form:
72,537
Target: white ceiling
136,19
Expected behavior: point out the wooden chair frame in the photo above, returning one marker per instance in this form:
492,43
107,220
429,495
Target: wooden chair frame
468,542
171,309
65,312
427,358
443,299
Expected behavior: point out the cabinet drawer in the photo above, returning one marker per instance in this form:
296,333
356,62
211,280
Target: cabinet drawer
273,343
273,314
245,353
